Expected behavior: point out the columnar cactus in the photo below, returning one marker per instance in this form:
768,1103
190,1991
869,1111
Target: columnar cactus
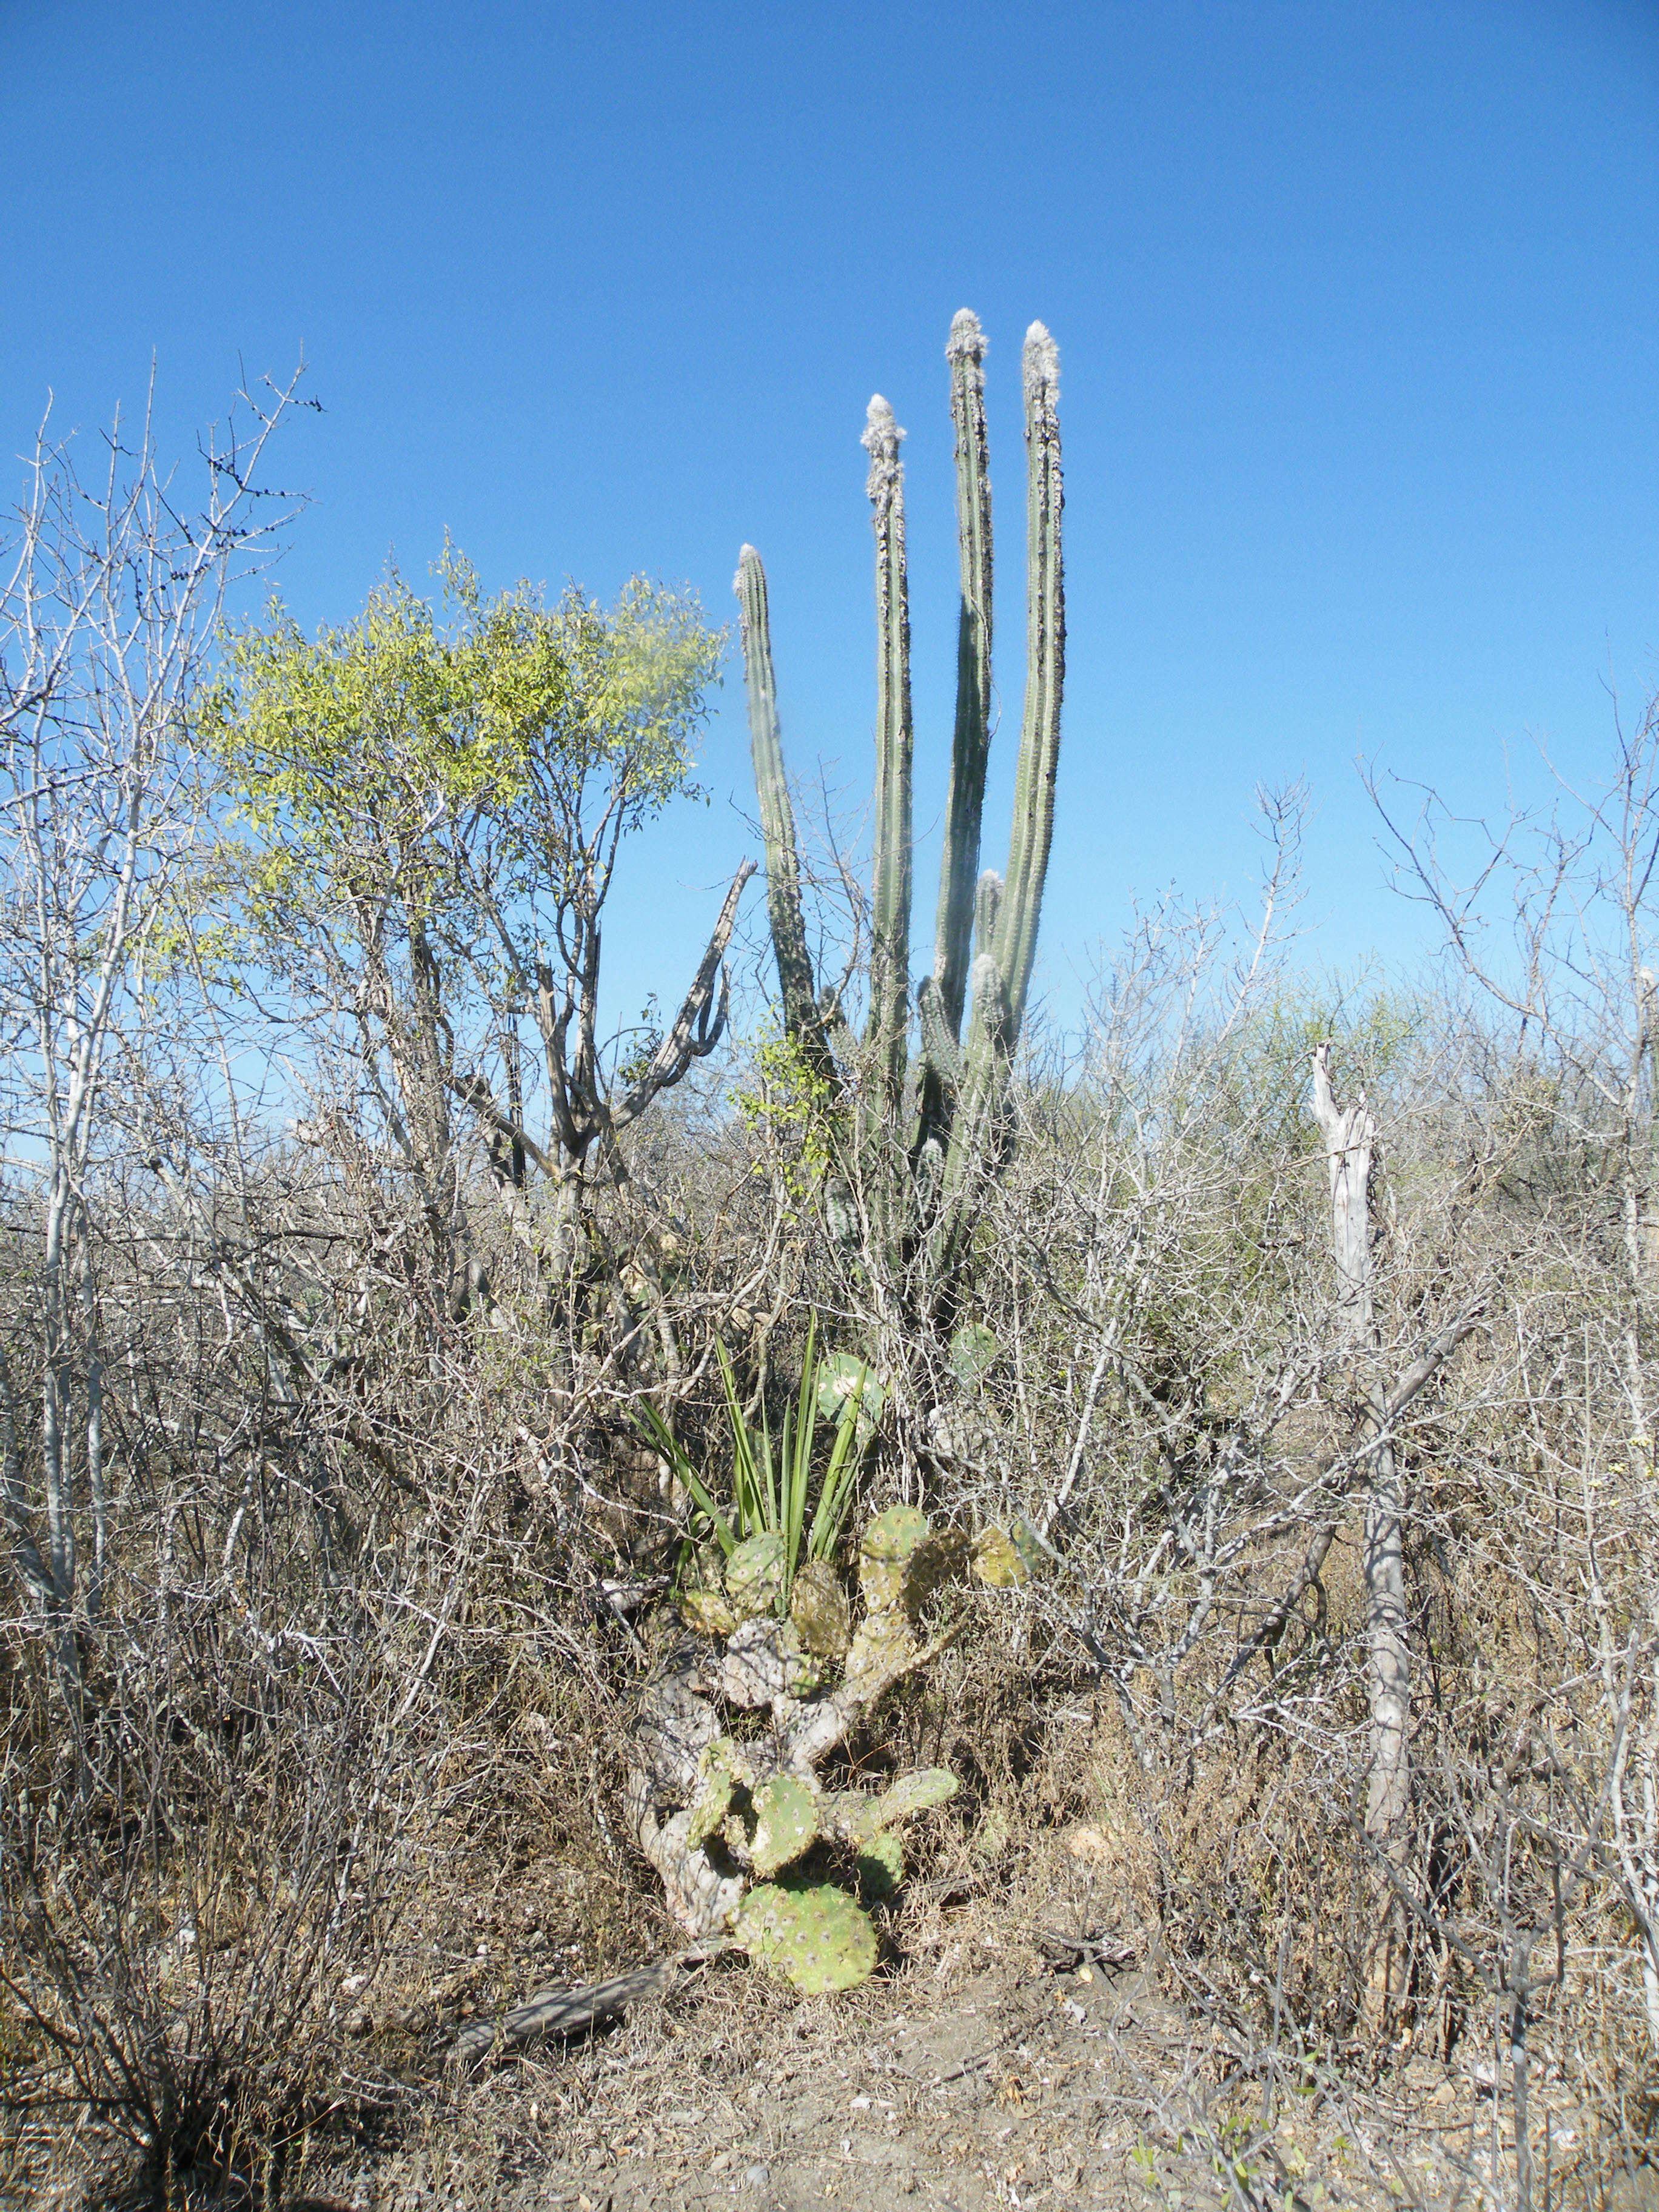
957,1128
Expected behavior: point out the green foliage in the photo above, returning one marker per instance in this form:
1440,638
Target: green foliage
423,774
973,1352
772,1478
790,1104
881,1864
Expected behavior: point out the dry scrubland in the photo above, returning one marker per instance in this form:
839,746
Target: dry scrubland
1305,1844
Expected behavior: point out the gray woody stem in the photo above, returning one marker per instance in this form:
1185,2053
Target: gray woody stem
1350,1140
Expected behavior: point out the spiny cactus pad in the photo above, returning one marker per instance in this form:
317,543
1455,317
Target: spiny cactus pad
785,1823
895,1534
884,1555
710,1807
996,1562
881,1864
883,1645
818,1608
707,1610
814,1935
754,1575
917,1792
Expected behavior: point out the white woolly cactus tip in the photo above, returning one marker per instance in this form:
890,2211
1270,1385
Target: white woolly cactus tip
881,433
967,341
1041,361
747,559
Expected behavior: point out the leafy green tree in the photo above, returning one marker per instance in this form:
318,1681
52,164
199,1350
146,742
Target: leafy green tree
432,810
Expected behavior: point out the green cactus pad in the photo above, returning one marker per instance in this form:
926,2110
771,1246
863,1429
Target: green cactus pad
916,1793
785,1823
881,1864
754,1575
895,1534
884,1555
818,1608
815,1936
710,1807
839,1376
996,1563
1029,1545
883,1645
973,1352
707,1610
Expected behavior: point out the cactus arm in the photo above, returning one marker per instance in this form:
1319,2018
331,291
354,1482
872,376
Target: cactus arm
1045,675
801,1017
965,802
890,949
940,1052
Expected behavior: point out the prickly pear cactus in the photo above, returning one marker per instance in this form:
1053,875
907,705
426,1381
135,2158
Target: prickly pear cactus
721,1814
713,1803
996,1563
884,1647
813,1934
884,1555
881,1865
917,1792
785,1823
701,1601
754,1575
818,1608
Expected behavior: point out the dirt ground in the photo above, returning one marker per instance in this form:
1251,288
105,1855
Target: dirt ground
1022,2054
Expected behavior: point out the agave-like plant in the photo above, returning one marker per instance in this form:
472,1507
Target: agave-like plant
772,1478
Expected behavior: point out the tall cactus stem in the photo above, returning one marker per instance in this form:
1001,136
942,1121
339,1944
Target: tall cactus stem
988,905
1045,676
970,746
890,950
1007,914
801,1017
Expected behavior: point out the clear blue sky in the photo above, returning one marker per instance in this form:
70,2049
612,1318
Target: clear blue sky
1358,307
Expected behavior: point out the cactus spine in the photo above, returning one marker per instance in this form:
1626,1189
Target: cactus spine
961,1087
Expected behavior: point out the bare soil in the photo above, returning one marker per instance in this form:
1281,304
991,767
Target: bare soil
1019,2054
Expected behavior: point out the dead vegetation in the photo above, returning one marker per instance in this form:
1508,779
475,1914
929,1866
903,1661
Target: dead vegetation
341,1565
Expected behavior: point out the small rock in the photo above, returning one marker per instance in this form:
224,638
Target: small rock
758,2177
719,2162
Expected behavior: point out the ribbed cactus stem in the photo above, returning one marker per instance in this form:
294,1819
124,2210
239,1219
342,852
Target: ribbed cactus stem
1045,677
889,952
988,905
1008,915
783,904
964,804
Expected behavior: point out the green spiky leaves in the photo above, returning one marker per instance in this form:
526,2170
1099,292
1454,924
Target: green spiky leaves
881,1865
